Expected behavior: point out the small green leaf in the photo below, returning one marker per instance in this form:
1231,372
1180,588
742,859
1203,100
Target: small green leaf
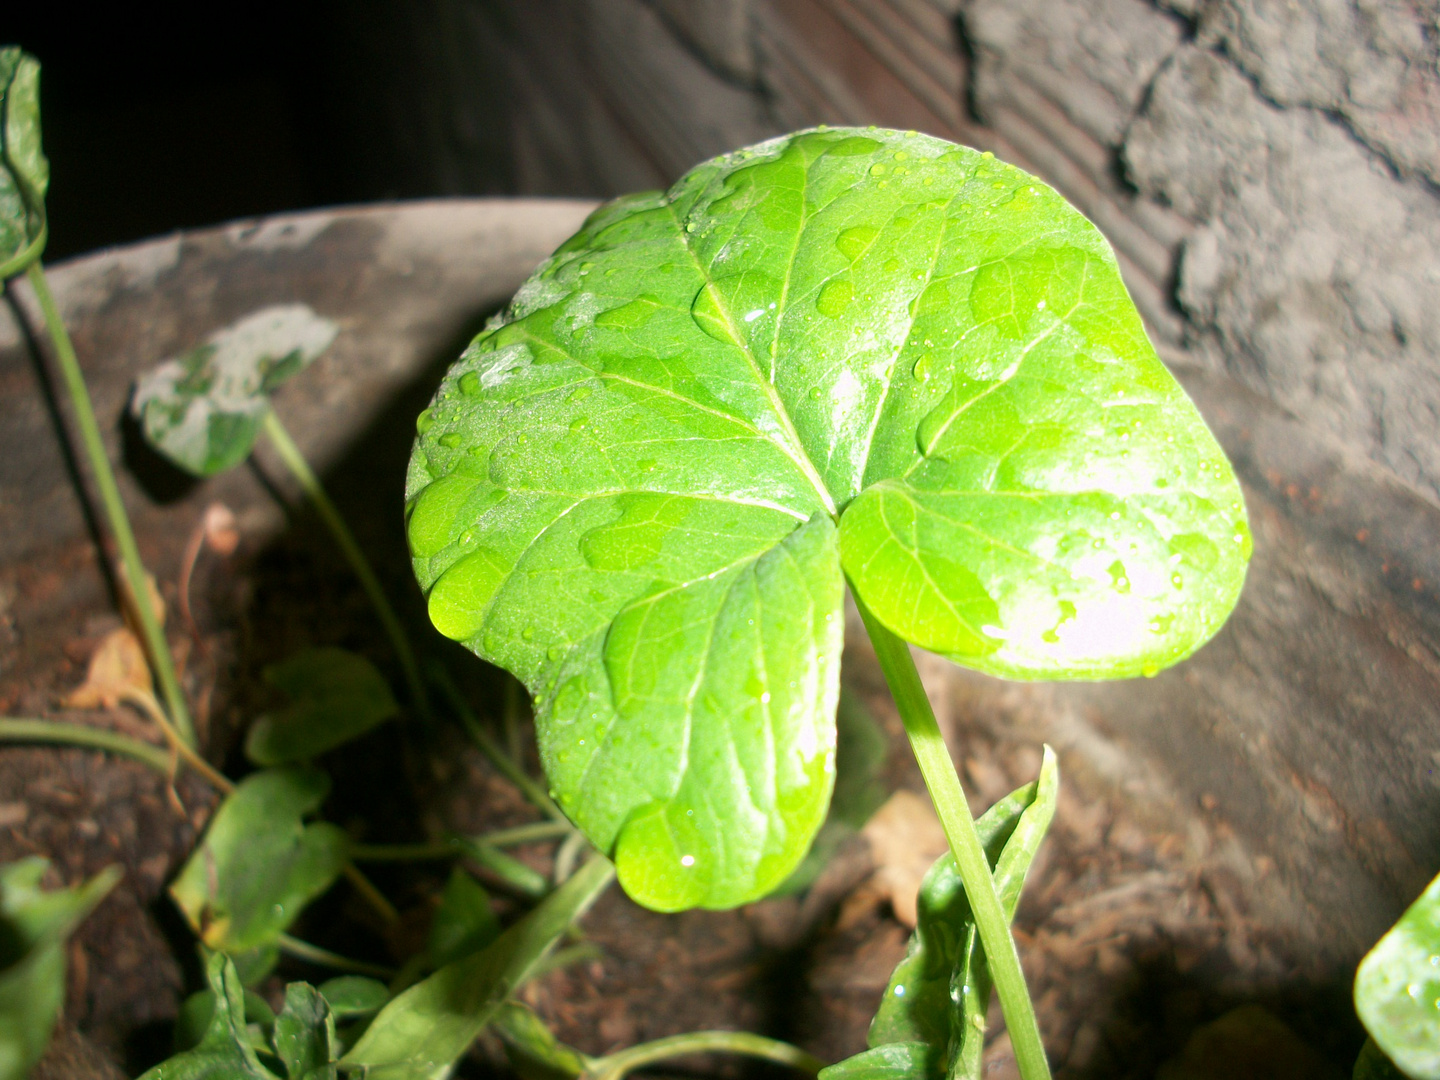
939,993
33,927
225,1051
24,172
259,863
335,696
534,1052
860,751
890,1061
203,410
464,923
354,995
840,354
419,1034
1372,1064
304,1034
1397,989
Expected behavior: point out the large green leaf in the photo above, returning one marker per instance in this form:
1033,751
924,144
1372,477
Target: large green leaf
33,927
203,410
424,1030
335,696
850,348
24,172
224,1052
1397,989
260,863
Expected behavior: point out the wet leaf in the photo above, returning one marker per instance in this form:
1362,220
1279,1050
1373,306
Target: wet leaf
34,925
419,1034
304,1034
838,349
335,696
24,172
464,923
534,1052
260,863
1397,989
891,1061
354,995
939,993
203,410
225,1052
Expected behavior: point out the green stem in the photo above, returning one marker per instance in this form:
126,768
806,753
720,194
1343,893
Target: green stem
155,643
492,750
295,461
54,731
303,950
944,785
450,849
616,1065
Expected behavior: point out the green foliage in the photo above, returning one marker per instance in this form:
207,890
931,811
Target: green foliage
203,410
931,1021
225,1050
260,863
350,996
335,696
839,349
464,923
24,172
33,927
424,1030
860,751
1397,989
534,1052
1372,1064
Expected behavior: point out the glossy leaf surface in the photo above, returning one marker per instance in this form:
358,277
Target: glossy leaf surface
931,1021
335,696
841,348
419,1034
224,1052
203,410
34,924
260,863
24,172
1397,989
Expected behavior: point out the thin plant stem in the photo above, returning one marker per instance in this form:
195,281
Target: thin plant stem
147,704
155,644
18,729
492,750
616,1065
295,461
303,950
370,894
943,783
563,958
537,832
567,857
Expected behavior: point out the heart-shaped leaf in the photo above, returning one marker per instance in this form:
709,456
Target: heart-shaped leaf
33,927
1397,989
848,348
203,410
424,1030
260,863
224,1052
24,172
335,696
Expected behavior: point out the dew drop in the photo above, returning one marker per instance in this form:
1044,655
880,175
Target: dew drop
423,421
687,860
451,439
853,241
877,169
470,384
834,298
578,423
1176,580
921,370
646,464
528,633
580,394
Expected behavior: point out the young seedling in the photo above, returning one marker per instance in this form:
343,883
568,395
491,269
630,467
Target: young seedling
1397,996
844,356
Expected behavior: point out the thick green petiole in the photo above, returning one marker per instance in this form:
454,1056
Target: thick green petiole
134,570
943,783
300,468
